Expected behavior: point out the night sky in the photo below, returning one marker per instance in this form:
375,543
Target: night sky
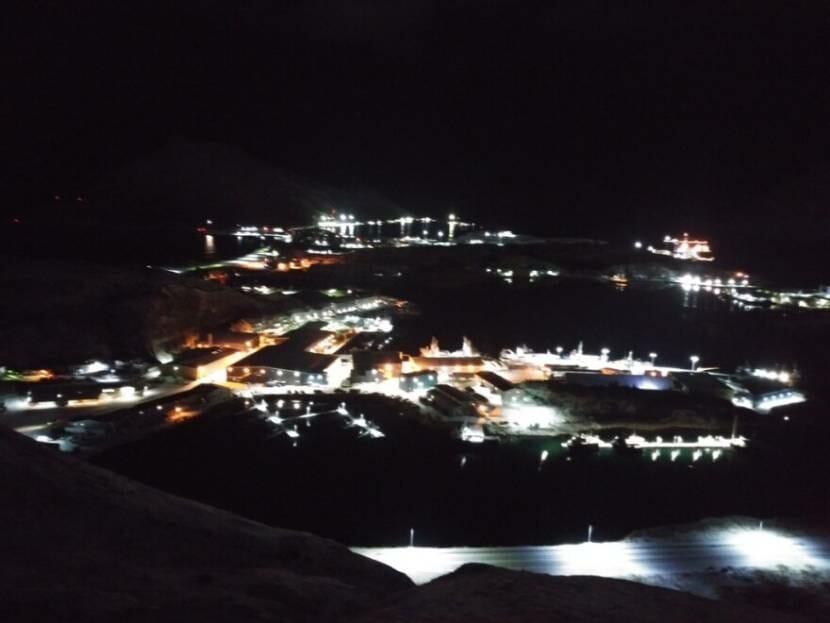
583,117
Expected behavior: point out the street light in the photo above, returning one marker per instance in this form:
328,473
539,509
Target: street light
694,359
605,352
559,351
652,356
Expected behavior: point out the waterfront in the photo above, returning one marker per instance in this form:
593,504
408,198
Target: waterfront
370,492
640,318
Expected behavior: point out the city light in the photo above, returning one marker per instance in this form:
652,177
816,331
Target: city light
768,549
613,559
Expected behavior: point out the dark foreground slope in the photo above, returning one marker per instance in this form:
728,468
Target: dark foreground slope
488,594
79,543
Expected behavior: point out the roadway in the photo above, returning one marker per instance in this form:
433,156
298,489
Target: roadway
647,561
26,418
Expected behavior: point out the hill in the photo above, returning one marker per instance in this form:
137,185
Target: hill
67,312
188,181
79,543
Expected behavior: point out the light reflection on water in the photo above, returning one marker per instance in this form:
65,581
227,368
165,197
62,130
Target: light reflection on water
210,246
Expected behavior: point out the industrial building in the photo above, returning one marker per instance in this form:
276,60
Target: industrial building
510,394
494,382
231,339
777,398
290,362
455,403
63,393
375,365
283,364
198,363
763,395
325,311
417,381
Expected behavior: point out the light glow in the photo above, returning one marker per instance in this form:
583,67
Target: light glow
612,559
769,549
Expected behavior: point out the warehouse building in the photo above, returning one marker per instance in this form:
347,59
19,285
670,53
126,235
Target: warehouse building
418,381
494,382
455,403
370,366
198,363
283,364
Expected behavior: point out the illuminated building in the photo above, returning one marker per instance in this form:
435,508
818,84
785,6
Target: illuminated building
418,381
292,362
232,339
454,403
198,363
371,366
283,365
63,393
494,382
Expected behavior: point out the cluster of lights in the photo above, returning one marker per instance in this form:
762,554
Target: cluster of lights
779,399
703,442
695,282
766,549
684,249
251,229
772,375
744,548
507,273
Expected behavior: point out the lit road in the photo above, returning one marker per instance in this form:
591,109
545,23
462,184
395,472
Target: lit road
735,548
28,419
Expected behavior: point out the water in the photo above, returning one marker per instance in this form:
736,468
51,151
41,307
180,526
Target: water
373,492
151,245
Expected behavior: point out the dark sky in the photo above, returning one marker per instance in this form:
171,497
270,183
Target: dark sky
671,114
